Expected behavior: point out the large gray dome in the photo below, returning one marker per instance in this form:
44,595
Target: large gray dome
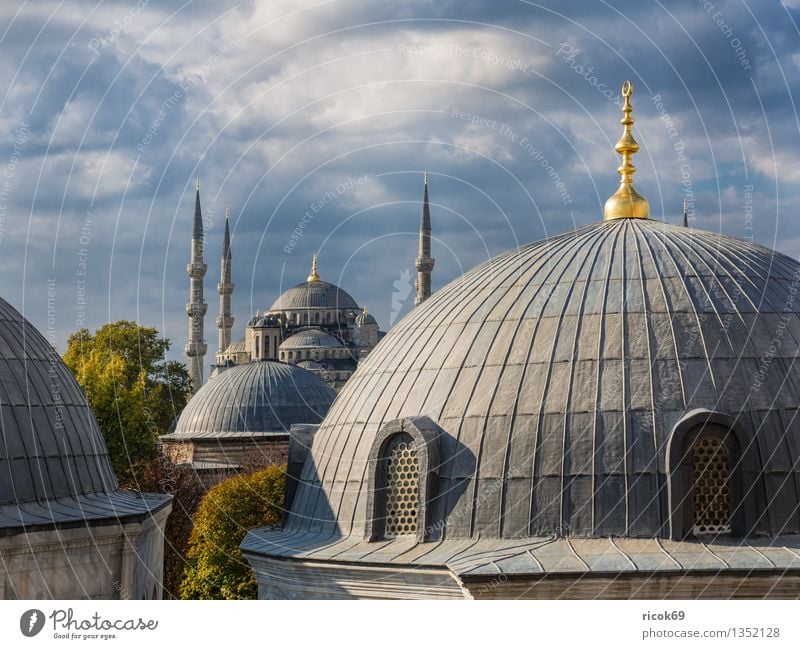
311,338
558,373
54,464
257,397
314,295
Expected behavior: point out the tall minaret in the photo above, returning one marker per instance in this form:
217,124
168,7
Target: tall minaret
196,308
225,290
424,260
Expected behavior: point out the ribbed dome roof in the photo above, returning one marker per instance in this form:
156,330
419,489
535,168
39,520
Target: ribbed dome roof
311,338
257,397
558,372
314,295
51,445
236,347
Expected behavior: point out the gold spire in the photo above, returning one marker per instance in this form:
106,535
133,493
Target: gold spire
227,212
197,182
365,311
314,276
626,203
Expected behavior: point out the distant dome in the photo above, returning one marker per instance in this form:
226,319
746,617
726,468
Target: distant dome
560,373
257,397
314,295
264,322
53,455
237,347
311,339
365,319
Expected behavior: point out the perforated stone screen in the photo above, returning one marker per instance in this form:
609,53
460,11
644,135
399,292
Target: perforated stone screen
711,496
402,488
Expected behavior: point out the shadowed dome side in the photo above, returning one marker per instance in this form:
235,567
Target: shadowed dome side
52,448
557,374
257,397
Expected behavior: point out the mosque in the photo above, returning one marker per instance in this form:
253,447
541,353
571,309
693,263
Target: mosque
611,412
283,372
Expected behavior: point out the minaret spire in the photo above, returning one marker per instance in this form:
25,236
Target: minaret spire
424,261
685,214
196,308
626,203
225,290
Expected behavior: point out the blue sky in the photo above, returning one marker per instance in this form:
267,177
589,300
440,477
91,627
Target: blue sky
334,108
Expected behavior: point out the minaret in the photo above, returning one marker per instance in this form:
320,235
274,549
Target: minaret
424,260
225,290
196,308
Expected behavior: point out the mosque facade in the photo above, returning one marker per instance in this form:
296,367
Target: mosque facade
588,416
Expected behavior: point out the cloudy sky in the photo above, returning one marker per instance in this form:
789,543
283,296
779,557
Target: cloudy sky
327,112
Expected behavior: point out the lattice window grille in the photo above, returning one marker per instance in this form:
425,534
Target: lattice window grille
711,494
402,490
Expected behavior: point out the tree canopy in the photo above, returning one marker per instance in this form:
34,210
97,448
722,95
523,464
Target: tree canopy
216,567
134,391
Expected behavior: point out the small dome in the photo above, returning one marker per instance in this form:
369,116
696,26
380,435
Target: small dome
257,397
311,339
365,318
237,347
265,322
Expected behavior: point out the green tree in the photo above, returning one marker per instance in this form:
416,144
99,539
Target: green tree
134,391
216,567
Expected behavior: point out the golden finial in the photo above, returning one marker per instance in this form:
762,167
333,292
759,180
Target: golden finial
197,182
227,212
425,179
626,203
365,311
314,276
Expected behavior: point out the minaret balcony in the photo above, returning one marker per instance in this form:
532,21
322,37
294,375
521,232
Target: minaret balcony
196,271
195,349
425,265
225,288
196,309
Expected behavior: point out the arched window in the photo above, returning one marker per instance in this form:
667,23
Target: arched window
710,477
305,317
403,470
402,487
257,356
283,355
291,354
316,317
266,347
327,316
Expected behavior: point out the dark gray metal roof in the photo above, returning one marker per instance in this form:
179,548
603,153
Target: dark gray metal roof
257,397
314,295
311,338
52,455
517,557
557,373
